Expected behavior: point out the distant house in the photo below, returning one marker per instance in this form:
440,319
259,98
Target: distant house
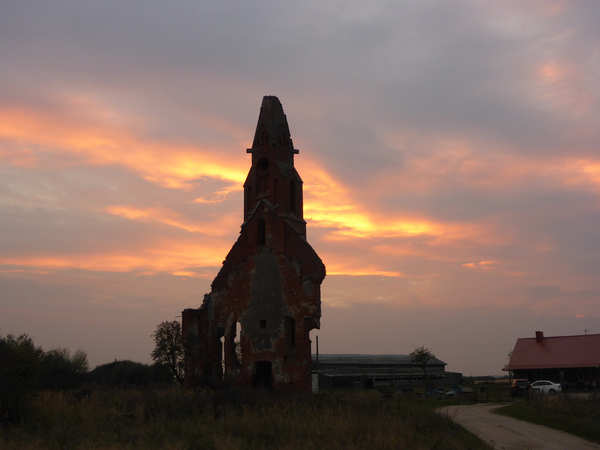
573,361
379,371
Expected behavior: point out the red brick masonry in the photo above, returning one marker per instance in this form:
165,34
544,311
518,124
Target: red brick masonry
270,282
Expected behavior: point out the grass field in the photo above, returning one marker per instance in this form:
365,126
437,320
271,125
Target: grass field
175,419
573,413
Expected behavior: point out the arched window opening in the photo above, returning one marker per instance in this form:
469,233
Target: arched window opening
264,137
261,235
290,332
293,204
263,164
261,184
249,200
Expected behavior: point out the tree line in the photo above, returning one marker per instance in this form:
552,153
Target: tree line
26,368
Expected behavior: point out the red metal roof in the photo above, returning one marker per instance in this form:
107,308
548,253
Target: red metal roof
556,352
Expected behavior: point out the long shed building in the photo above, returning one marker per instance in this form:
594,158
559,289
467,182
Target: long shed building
377,371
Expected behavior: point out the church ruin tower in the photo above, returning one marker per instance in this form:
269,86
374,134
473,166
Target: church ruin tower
253,327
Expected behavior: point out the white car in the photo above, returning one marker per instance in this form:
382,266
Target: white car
546,387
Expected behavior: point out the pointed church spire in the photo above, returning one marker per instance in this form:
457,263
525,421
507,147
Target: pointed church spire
272,176
272,133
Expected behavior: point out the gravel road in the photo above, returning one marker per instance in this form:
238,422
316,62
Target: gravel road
506,433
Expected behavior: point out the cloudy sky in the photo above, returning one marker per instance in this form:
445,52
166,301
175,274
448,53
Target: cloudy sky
450,152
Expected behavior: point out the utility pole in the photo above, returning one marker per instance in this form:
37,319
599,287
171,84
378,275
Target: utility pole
317,352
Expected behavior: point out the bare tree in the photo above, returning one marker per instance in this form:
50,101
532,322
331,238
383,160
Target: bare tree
169,348
421,356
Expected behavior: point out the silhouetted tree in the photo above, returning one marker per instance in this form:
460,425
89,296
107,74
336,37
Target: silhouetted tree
169,348
59,370
421,356
19,369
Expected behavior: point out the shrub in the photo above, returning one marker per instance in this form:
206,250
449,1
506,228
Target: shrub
59,370
129,374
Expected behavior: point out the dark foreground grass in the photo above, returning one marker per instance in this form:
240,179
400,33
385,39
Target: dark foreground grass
174,419
575,414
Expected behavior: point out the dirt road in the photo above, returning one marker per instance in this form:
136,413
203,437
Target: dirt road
506,433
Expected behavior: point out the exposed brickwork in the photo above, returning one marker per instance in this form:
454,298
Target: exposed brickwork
270,281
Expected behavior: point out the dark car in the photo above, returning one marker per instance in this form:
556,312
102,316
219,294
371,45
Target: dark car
520,387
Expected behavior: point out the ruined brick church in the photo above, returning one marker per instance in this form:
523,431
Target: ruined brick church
253,327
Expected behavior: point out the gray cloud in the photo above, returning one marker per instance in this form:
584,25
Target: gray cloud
377,95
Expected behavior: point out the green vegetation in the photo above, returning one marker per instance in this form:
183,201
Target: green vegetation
234,419
169,348
578,414
59,370
129,374
50,400
25,368
421,356
20,364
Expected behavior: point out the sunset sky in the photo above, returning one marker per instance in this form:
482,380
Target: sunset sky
450,152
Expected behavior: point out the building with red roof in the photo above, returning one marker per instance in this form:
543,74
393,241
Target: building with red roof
573,361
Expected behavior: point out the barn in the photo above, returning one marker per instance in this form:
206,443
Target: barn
572,361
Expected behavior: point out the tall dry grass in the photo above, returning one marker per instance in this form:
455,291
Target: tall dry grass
575,413
179,420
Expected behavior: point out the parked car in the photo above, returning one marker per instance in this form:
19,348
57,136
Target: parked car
546,387
519,387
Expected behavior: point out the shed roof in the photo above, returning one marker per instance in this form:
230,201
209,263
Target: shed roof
343,359
555,352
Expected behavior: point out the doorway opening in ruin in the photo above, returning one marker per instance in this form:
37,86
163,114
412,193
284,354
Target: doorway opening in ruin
222,340
263,377
314,347
237,344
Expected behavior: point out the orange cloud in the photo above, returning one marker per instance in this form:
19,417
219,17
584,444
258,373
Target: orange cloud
589,171
25,272
562,85
551,72
329,205
160,255
359,270
460,162
171,164
550,7
171,218
570,171
486,265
